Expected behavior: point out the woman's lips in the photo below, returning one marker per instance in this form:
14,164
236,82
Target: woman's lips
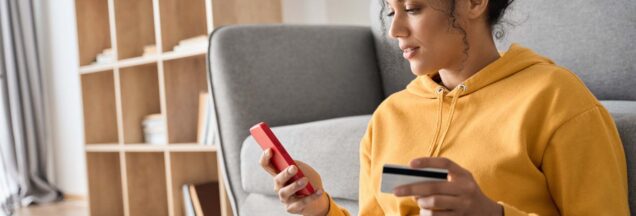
409,52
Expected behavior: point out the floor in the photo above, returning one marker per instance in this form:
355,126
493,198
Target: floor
64,208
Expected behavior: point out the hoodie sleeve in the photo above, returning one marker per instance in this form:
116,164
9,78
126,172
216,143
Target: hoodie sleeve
584,165
510,210
367,201
335,210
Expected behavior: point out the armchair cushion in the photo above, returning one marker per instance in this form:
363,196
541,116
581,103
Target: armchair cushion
329,146
624,114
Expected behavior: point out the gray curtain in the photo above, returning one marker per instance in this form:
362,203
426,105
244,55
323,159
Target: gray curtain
24,151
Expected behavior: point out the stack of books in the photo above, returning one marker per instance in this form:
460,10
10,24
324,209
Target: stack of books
201,199
150,50
154,129
193,44
105,57
206,131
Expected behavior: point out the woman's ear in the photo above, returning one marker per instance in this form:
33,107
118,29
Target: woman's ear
477,9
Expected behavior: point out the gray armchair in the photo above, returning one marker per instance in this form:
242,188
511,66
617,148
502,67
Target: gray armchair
317,86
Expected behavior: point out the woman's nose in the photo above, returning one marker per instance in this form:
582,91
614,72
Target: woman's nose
398,27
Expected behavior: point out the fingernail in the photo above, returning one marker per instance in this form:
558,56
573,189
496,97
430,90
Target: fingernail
319,192
416,163
268,152
292,169
302,182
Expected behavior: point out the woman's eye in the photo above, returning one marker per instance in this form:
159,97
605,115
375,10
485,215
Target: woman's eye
412,10
407,10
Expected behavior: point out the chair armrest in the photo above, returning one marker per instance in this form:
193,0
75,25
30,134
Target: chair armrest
287,74
626,124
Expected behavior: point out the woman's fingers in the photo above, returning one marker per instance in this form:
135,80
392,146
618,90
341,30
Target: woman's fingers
283,177
287,192
438,202
428,189
265,162
426,212
440,163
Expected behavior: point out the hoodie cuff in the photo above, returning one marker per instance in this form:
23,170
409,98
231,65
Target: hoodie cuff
512,211
334,209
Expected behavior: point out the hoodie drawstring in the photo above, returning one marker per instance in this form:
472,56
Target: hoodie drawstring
440,99
438,141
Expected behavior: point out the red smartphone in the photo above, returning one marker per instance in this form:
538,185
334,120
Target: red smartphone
280,158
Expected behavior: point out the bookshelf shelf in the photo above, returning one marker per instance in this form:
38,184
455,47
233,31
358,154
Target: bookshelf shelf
93,31
142,147
177,55
181,20
108,147
147,193
185,79
134,21
105,179
183,173
140,60
139,98
129,69
93,68
191,148
100,116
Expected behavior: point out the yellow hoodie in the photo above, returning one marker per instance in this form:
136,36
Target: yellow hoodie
534,137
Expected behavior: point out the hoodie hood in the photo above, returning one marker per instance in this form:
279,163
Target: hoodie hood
516,59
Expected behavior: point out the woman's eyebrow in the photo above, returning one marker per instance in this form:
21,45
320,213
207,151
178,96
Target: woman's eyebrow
398,1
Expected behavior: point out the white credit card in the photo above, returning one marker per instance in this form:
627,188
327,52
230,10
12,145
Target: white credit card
396,175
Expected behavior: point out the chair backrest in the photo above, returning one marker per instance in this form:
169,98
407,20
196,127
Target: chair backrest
594,39
394,69
286,74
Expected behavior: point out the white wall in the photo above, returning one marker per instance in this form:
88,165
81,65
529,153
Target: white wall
61,61
341,12
60,64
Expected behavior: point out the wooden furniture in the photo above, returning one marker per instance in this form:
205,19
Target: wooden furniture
126,176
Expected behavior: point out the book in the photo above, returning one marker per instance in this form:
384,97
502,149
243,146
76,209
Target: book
194,40
150,50
192,44
204,114
187,201
205,198
106,56
154,129
206,122
190,48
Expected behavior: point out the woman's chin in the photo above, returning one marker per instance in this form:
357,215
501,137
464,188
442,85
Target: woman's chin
419,71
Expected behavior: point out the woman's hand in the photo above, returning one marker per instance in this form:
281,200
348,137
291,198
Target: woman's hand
314,204
458,196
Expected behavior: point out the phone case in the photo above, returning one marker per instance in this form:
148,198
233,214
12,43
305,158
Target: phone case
280,158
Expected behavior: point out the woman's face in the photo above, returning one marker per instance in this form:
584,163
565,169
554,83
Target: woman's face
426,36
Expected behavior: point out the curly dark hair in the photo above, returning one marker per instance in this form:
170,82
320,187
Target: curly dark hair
496,10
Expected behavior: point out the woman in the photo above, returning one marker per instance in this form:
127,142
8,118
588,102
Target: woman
518,134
